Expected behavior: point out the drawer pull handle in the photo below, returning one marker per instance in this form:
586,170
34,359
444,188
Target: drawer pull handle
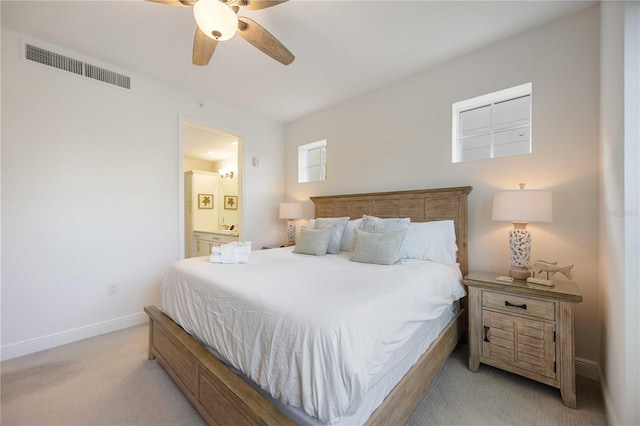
523,306
486,333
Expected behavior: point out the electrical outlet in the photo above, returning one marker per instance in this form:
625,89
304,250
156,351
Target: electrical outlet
112,289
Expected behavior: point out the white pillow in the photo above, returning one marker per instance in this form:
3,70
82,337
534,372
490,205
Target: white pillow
376,224
313,241
382,248
337,224
349,236
434,241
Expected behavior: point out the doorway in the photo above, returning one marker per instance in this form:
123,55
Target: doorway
210,187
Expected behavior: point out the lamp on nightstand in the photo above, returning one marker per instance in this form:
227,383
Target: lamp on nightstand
520,207
291,212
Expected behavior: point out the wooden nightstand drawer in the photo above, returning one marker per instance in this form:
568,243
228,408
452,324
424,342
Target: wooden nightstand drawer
520,305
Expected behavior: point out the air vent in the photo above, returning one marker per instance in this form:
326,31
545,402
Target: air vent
53,59
107,76
75,66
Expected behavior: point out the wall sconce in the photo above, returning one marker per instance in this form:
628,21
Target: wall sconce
291,212
521,207
225,173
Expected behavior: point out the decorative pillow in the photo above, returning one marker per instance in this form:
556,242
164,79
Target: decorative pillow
382,248
376,224
313,241
337,224
349,236
434,241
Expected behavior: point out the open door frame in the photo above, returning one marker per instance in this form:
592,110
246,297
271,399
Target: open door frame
182,120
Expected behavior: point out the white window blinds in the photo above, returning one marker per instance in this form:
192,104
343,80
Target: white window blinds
493,125
312,162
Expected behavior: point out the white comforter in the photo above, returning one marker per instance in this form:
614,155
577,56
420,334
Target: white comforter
312,331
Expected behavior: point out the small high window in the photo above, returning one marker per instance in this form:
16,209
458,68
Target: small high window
312,162
497,124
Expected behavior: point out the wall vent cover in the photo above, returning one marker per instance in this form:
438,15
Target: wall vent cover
52,59
75,66
108,76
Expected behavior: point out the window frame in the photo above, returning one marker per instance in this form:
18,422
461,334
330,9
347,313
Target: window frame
303,161
490,99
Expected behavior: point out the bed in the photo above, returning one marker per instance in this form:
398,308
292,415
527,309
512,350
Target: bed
223,397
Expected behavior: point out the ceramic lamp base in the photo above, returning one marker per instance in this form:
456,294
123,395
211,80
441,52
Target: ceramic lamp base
291,233
520,246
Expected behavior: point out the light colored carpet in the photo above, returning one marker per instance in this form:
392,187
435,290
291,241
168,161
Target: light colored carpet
107,380
494,397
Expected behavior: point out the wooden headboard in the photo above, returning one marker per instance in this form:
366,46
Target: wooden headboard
421,205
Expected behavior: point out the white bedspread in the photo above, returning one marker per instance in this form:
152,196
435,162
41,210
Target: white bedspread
311,331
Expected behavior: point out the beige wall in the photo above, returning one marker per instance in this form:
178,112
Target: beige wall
399,137
229,187
612,198
620,204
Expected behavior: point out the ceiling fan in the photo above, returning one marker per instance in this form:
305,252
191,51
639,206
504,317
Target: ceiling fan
217,20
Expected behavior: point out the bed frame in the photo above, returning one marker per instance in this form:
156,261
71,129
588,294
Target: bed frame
223,398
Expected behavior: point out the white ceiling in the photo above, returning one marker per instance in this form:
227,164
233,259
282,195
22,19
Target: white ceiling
203,143
342,48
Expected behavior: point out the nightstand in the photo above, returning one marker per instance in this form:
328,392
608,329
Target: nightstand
524,328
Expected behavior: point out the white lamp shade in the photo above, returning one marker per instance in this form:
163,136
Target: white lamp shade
216,20
290,210
522,205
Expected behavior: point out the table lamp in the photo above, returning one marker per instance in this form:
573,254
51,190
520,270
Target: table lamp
291,212
520,207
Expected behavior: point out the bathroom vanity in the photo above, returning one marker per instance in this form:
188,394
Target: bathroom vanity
204,240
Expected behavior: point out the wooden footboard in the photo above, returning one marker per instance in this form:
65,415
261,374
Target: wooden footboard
223,398
219,395
403,399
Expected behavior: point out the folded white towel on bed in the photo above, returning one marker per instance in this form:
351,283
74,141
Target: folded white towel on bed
228,253
233,252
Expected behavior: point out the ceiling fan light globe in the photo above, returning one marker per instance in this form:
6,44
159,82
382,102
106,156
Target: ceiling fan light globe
215,19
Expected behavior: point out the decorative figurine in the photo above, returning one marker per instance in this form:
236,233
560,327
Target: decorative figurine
550,268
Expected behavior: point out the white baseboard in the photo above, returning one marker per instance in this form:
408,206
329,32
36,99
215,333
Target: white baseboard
69,336
587,368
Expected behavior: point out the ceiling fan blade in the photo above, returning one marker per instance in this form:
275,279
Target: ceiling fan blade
263,40
203,48
259,4
175,2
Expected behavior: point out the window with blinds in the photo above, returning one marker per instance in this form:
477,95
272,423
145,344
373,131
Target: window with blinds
312,162
494,125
